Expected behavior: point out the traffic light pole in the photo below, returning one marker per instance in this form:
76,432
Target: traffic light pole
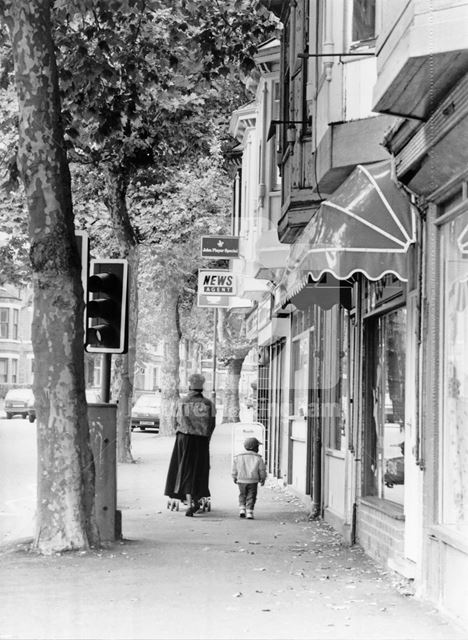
106,376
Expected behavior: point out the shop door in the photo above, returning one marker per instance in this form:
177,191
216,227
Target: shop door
335,410
299,455
277,351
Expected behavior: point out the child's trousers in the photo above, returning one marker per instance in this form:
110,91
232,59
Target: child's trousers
247,494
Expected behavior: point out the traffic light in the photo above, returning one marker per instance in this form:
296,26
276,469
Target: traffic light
106,308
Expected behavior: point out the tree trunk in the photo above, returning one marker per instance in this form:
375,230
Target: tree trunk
65,517
117,185
170,367
125,368
233,349
231,405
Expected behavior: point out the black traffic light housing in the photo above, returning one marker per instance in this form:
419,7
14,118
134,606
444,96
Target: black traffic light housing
107,307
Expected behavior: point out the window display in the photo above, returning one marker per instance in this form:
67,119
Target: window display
386,424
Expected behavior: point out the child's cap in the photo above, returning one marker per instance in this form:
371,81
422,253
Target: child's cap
251,444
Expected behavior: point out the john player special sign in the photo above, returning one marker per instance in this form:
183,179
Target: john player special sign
220,247
218,282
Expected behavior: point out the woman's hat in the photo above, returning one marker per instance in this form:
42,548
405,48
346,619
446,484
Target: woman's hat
251,444
196,381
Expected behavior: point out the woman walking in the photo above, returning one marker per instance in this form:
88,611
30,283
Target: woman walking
189,468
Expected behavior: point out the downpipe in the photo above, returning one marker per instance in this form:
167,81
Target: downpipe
316,511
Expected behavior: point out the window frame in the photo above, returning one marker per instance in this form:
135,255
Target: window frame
4,364
14,371
15,325
5,323
357,42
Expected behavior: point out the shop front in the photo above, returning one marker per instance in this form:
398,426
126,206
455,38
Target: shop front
347,278
385,450
446,421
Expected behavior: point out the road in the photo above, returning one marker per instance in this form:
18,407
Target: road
18,462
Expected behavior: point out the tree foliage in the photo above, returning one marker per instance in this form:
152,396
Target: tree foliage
14,242
144,81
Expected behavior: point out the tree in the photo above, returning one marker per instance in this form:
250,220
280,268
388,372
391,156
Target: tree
65,505
135,100
196,202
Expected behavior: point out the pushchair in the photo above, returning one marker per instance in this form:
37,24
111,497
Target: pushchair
204,504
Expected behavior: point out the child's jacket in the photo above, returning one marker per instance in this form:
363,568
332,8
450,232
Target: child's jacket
248,467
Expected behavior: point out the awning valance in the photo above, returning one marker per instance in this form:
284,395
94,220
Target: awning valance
366,226
325,293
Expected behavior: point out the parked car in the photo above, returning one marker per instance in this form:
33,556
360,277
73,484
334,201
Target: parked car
20,402
92,396
146,411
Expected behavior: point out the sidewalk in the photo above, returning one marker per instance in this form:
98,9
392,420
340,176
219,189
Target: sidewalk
210,576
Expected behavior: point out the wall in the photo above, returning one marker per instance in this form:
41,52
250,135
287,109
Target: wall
380,534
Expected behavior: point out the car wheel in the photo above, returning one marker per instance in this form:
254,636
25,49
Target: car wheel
31,418
24,416
142,428
9,416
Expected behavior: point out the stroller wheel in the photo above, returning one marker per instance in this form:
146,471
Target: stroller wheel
173,505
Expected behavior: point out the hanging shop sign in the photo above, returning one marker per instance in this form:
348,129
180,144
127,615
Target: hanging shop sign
216,282
219,247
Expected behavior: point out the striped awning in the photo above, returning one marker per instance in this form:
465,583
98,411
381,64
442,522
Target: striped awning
366,227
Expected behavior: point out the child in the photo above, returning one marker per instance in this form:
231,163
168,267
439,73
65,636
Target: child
248,469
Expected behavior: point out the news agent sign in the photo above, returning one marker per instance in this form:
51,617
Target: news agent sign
220,282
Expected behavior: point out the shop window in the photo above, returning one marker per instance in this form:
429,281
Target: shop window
342,399
300,372
263,398
3,370
4,322
454,440
363,27
385,424
333,380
